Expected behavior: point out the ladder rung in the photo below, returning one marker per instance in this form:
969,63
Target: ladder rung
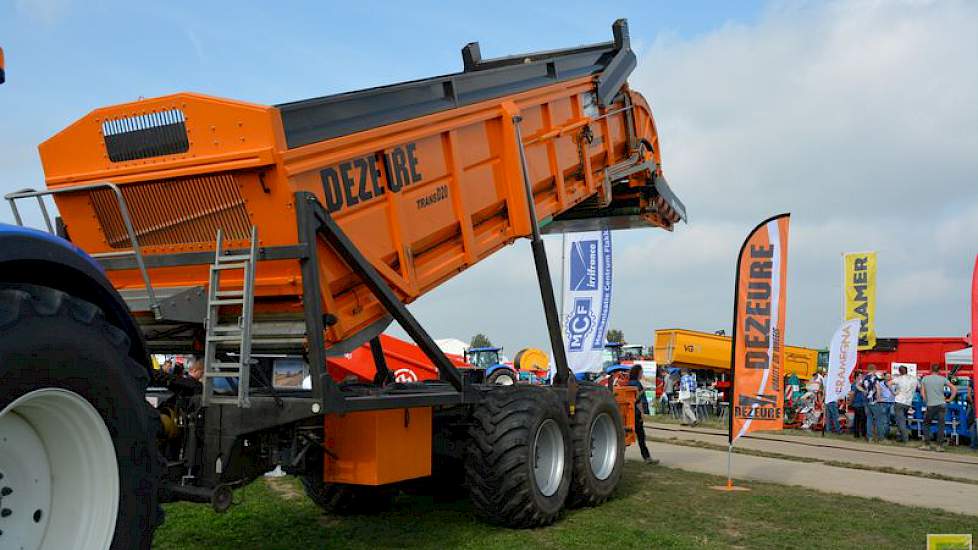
237,302
223,338
217,365
271,341
222,374
223,400
226,328
230,294
233,257
236,265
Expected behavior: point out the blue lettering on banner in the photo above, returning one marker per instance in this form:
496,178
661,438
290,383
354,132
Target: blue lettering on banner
584,266
599,334
579,324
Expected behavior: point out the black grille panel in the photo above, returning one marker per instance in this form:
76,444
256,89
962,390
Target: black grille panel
146,136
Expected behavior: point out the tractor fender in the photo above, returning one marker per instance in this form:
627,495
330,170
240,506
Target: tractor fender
617,368
39,258
498,366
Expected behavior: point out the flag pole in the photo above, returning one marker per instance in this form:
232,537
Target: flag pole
563,263
729,473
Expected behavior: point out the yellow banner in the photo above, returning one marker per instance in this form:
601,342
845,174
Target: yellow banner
859,293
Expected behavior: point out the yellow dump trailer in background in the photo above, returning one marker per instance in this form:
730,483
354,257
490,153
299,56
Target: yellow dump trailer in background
702,350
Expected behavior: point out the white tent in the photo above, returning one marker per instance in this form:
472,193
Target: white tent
452,345
958,357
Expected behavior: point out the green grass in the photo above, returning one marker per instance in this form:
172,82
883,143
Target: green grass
654,507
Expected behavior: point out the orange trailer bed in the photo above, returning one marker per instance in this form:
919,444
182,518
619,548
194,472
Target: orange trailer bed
423,188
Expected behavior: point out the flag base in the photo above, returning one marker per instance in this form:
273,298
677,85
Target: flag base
729,487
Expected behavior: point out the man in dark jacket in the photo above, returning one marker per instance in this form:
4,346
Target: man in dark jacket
641,407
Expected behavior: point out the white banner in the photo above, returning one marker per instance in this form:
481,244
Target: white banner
586,298
842,359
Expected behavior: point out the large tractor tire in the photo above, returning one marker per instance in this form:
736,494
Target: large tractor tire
79,466
518,458
599,446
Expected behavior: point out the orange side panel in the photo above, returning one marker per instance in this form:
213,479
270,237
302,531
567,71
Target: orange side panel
422,199
625,396
378,447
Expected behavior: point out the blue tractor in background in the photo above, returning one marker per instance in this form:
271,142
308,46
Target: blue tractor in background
488,359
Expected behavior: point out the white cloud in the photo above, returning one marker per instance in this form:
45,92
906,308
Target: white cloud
873,102
859,118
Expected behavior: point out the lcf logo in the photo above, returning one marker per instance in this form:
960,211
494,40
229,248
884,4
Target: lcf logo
580,323
584,265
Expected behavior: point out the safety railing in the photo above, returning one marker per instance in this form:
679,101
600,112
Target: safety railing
136,252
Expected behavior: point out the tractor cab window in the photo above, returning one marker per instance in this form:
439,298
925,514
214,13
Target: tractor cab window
631,353
611,356
482,358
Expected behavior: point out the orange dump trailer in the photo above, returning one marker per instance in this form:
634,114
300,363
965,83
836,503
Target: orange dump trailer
279,242
424,177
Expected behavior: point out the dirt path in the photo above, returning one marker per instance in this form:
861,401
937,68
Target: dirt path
912,490
910,459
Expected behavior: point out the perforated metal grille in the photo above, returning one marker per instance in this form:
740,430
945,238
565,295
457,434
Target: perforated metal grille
174,211
146,136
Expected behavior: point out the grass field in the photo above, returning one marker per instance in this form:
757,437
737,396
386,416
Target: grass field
655,507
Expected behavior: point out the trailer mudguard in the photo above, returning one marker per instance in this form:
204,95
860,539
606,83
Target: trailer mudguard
35,257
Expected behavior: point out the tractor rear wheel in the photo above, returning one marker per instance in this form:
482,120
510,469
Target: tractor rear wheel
599,446
501,377
80,467
518,458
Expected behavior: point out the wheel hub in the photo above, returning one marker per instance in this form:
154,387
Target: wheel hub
59,482
25,488
548,454
604,446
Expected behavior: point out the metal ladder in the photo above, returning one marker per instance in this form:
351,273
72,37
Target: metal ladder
226,336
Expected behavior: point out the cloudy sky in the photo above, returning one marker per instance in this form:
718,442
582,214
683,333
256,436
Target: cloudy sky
861,119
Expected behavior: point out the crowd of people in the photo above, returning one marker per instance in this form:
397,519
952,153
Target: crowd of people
176,370
879,402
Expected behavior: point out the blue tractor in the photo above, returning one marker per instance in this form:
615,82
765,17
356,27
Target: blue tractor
79,449
487,359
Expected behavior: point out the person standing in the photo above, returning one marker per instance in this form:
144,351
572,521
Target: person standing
641,407
874,410
832,416
932,391
687,396
973,433
972,403
904,386
886,400
858,401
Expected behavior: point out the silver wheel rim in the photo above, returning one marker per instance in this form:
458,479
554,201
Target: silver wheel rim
60,484
505,380
604,446
548,457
